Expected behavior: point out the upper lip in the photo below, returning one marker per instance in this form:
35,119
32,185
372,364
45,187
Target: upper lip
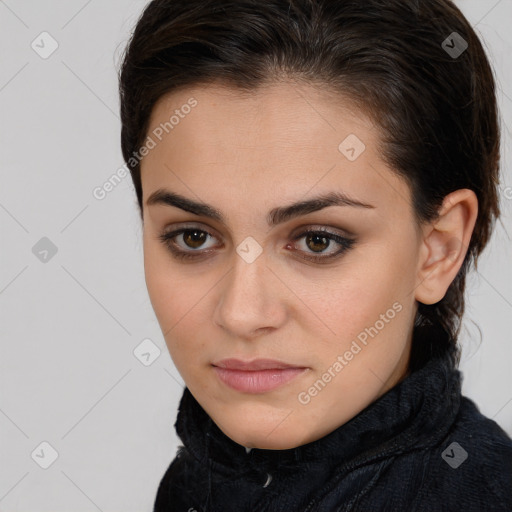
255,364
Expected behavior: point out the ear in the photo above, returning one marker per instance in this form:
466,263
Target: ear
444,246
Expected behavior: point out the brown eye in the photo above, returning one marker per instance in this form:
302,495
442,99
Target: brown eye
194,238
317,243
191,245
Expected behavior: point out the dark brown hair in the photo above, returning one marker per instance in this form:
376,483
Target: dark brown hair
436,110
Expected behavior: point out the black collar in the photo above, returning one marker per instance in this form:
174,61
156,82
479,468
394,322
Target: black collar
412,415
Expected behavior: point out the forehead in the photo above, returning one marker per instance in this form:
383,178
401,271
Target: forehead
283,112
286,138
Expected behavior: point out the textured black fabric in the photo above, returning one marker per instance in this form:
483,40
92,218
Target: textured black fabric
395,455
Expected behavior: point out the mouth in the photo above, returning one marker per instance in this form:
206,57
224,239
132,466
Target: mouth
258,376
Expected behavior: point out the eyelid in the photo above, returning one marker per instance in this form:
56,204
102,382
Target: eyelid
322,228
295,232
190,225
177,230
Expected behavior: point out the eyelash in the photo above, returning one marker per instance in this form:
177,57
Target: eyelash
345,244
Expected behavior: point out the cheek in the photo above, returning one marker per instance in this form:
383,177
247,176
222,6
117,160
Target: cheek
353,295
178,296
173,288
367,307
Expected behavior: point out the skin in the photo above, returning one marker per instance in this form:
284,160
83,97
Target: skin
245,155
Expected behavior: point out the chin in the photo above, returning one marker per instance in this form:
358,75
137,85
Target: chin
265,435
284,441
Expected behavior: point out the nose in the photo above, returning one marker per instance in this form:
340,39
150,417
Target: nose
251,301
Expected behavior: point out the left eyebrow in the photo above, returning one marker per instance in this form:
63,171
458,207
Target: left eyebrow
275,216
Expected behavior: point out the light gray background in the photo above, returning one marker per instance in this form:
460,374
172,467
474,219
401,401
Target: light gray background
68,374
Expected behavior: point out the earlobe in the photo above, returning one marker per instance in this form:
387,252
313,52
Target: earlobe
445,244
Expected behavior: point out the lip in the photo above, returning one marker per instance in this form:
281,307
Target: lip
255,364
257,376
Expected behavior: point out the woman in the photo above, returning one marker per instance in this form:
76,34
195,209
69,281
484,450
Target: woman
315,179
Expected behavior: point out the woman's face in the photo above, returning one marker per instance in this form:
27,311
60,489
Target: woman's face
325,287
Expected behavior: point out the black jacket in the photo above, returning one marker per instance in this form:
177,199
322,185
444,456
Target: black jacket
420,447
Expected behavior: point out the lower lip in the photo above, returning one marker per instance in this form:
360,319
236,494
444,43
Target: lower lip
258,381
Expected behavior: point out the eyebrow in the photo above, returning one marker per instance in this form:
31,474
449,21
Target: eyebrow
275,216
